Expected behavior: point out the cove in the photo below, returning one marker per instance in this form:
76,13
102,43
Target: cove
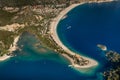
90,24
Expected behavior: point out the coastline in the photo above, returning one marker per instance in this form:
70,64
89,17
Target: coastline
101,1
53,28
4,57
54,35
12,48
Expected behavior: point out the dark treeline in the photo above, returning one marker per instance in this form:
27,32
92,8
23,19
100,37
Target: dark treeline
19,3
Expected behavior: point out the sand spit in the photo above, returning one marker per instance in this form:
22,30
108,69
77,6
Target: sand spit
53,32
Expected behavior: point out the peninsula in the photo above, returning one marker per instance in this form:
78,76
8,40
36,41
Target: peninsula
76,60
41,20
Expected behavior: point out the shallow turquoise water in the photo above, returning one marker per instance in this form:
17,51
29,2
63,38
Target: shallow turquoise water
87,30
30,63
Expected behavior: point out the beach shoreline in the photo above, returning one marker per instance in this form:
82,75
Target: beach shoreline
4,57
53,28
12,48
54,35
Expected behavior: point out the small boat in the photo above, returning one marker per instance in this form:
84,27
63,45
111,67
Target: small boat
70,65
64,17
68,27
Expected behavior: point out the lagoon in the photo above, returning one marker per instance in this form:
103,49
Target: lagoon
90,24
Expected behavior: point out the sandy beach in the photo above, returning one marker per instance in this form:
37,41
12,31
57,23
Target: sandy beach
101,1
53,32
12,48
5,57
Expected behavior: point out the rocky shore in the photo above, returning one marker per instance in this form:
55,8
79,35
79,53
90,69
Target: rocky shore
112,73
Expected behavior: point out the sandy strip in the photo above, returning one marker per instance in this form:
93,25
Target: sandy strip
53,27
53,31
12,48
5,57
101,1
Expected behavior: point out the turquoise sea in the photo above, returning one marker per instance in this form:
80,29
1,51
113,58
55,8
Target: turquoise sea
84,27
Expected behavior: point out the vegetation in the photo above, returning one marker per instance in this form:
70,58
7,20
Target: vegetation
26,15
5,17
6,39
39,27
113,73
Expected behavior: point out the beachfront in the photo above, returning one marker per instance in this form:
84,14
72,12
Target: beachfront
53,32
4,57
53,28
12,48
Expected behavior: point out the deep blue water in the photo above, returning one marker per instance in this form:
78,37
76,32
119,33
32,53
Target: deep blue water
91,24
30,63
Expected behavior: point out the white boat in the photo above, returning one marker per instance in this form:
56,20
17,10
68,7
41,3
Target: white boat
68,27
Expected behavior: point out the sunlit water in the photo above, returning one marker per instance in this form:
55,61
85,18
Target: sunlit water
85,27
